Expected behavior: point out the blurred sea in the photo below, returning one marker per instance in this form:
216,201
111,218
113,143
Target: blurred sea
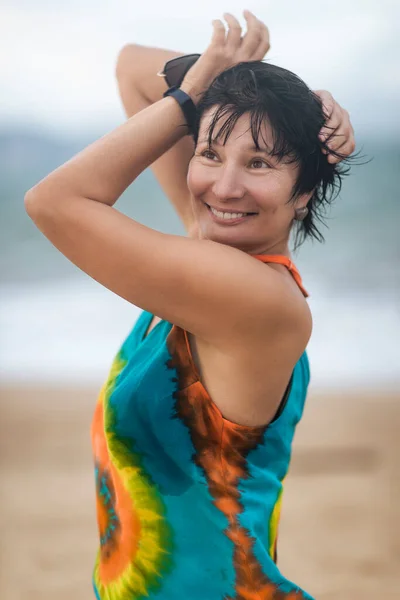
59,326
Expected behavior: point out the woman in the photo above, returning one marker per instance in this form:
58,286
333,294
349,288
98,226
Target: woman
193,429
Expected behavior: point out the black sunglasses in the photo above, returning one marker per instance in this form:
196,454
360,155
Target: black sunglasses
175,69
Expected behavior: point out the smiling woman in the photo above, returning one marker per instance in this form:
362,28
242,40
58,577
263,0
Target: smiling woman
256,183
274,154
192,432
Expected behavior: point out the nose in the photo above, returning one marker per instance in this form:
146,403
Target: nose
228,184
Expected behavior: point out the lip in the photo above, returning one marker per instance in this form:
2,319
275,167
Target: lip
223,221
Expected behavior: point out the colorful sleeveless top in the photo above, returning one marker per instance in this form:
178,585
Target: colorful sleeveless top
188,502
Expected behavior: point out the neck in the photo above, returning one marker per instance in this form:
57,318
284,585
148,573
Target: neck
278,247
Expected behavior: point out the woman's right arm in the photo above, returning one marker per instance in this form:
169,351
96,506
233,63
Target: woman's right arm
139,87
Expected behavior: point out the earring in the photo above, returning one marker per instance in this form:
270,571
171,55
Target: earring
301,213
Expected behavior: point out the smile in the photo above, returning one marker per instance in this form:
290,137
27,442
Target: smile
228,217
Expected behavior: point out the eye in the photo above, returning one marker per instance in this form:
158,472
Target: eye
258,160
207,152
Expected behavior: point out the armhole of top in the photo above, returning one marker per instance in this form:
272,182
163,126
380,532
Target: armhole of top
284,399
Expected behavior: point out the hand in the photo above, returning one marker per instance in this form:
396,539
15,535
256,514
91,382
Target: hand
226,51
338,129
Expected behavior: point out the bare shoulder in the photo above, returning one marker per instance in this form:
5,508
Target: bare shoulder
297,307
248,379
247,376
286,317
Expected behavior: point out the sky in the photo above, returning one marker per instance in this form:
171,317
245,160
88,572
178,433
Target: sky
57,65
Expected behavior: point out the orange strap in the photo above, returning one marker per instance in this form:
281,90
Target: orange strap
284,260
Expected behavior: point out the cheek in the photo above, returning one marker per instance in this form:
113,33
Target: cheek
268,195
196,180
273,193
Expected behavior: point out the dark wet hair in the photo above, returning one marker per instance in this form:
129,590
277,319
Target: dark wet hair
296,116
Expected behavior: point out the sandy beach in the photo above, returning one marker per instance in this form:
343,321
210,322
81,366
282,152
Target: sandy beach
340,526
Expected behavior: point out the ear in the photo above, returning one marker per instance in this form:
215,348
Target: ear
303,200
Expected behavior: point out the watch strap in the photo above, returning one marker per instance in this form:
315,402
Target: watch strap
186,103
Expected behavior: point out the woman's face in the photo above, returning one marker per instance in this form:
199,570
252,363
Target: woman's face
236,179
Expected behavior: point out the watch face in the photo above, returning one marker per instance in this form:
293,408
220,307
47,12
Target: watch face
176,69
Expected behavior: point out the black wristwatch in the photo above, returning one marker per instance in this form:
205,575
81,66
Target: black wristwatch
186,103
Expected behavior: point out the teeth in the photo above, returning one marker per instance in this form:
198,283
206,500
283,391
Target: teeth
225,215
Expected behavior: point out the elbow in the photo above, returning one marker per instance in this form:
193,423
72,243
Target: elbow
34,205
126,61
31,203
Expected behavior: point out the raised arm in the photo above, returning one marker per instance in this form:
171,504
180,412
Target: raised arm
203,286
140,87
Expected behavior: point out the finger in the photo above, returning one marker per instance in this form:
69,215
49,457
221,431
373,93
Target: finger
264,45
326,135
345,150
219,33
337,126
333,160
343,138
333,123
252,38
329,107
345,122
233,39
341,143
336,141
327,100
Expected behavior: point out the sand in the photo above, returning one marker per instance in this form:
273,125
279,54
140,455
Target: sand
340,526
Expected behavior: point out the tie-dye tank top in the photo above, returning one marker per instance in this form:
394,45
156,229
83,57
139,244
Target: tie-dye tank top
188,502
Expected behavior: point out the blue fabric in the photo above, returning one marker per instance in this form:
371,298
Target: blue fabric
188,502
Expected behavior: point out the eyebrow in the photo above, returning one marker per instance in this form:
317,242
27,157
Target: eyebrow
250,148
